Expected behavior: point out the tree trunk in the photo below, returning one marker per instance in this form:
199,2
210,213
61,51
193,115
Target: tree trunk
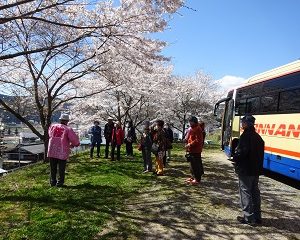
183,126
46,142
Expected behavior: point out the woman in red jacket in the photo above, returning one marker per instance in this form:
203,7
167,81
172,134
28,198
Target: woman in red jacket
194,148
117,139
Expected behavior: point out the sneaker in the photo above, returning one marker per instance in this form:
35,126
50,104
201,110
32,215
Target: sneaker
188,180
145,171
194,182
242,220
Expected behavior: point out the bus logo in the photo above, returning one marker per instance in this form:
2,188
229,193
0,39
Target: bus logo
284,130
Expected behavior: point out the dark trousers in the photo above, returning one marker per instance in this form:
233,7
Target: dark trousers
113,146
146,153
129,149
61,164
196,166
250,197
93,144
107,144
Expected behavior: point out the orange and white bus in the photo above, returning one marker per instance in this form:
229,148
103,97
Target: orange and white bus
273,98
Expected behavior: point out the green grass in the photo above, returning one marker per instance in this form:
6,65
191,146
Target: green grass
96,189
215,137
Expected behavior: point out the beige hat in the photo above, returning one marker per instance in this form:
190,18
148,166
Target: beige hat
64,117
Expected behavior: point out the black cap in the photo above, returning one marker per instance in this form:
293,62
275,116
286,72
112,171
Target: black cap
249,119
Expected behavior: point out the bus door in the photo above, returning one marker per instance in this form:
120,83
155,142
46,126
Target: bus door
227,127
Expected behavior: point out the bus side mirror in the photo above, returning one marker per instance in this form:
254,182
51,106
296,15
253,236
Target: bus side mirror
216,110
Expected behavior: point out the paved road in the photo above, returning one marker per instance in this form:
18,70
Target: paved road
171,209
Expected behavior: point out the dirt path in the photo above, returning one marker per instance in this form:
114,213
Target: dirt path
171,209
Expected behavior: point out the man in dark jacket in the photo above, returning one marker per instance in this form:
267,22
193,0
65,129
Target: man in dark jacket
108,129
130,138
96,138
248,158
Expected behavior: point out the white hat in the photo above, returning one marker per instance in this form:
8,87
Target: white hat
64,117
110,118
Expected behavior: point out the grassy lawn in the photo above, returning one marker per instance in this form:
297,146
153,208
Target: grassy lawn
114,200
31,209
96,189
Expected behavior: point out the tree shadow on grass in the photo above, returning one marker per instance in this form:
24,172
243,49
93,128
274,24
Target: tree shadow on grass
192,212
78,205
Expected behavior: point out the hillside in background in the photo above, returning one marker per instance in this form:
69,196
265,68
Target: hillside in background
7,117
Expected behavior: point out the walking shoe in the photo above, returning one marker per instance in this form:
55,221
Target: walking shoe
258,221
145,171
194,182
188,180
242,220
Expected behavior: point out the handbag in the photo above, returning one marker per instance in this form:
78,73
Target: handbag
154,148
188,157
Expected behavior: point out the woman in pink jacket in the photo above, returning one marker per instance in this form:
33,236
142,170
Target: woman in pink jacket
61,139
117,140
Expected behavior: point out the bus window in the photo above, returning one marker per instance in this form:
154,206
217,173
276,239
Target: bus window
240,108
290,101
269,103
282,83
246,92
253,105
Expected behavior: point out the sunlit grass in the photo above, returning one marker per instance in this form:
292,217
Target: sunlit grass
31,209
96,190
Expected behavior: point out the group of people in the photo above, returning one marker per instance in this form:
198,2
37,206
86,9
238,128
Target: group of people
157,139
114,136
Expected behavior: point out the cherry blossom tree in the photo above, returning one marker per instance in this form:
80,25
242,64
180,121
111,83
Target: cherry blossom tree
192,95
56,52
133,100
83,18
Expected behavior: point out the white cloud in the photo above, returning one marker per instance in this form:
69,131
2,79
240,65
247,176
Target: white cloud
228,82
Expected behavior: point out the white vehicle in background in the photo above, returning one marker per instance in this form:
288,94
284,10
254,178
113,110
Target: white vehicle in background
273,98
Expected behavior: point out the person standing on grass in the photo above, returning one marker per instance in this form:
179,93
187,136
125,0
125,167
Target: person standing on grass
194,148
248,161
170,139
96,138
61,139
130,138
108,128
159,139
146,144
116,141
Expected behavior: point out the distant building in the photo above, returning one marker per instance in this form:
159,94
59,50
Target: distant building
28,137
33,152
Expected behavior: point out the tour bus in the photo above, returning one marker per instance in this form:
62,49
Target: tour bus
273,98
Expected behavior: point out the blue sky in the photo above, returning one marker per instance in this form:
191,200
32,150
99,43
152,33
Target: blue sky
233,39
